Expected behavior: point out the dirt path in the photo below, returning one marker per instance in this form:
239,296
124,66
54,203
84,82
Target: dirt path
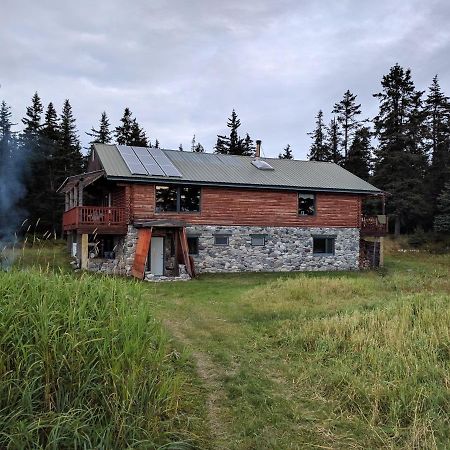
211,377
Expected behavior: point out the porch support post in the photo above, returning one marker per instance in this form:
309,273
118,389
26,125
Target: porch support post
80,194
381,264
84,251
66,201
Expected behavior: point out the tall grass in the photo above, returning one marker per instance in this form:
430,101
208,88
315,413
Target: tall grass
83,364
376,349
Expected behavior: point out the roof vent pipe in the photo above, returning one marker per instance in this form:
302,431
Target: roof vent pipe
258,148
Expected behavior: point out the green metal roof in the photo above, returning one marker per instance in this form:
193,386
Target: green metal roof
229,170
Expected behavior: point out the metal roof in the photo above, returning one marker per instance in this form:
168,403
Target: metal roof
230,170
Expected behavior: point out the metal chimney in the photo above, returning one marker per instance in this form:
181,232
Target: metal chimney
258,148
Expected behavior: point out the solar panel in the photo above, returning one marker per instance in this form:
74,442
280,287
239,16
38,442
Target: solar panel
131,160
147,161
262,165
164,162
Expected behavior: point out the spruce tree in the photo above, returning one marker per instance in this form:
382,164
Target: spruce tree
30,148
32,122
156,143
6,135
332,141
70,156
319,150
123,132
180,147
234,144
359,154
400,157
248,146
287,153
49,173
437,109
347,111
442,219
199,148
138,137
103,135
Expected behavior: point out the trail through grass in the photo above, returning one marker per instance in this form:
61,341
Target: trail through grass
355,360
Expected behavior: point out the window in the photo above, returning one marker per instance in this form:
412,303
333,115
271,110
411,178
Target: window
177,199
306,204
166,198
323,245
193,245
258,240
221,239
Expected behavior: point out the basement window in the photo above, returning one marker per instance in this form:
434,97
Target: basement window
306,204
258,240
193,245
177,198
323,246
221,239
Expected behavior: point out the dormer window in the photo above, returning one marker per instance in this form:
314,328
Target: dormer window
306,204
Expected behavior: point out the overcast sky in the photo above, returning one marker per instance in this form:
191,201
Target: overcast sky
182,66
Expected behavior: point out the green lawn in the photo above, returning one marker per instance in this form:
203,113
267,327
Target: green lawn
314,360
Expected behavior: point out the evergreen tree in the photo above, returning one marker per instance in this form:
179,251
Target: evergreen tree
6,135
123,132
70,157
30,148
248,146
234,144
32,122
319,151
347,111
180,147
199,148
332,140
400,158
138,137
359,154
437,108
103,135
193,143
156,143
442,219
287,153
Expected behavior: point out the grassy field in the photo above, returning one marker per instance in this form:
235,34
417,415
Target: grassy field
295,361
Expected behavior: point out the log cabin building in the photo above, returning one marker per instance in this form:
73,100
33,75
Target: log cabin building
150,212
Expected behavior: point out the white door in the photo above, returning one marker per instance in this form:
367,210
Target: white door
157,256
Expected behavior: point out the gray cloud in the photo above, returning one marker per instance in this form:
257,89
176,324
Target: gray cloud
182,66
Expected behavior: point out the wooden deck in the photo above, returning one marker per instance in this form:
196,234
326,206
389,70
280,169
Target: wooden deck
373,226
95,219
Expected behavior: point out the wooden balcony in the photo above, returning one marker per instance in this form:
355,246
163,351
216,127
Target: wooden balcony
95,219
375,226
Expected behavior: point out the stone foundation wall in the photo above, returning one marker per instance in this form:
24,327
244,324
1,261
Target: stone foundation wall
286,249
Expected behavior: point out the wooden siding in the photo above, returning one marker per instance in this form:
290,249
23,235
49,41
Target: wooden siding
237,206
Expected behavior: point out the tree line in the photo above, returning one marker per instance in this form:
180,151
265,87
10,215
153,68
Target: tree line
404,149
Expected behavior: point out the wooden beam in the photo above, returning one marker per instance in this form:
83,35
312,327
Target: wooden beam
185,251
84,251
142,249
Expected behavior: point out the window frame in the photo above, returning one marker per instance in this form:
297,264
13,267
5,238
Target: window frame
314,194
258,236
327,239
227,236
178,188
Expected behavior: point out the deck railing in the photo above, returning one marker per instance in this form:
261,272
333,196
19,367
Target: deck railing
100,216
374,225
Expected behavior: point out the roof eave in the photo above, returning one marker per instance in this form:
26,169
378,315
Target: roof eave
375,191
